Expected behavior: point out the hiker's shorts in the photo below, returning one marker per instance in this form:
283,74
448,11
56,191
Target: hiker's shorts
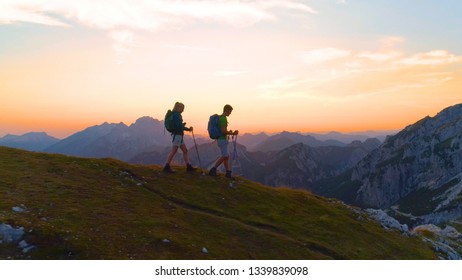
223,145
177,140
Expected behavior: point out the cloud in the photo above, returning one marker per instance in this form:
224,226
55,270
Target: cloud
11,12
333,74
299,86
122,18
229,73
432,58
188,47
148,15
294,5
391,41
379,56
123,43
324,55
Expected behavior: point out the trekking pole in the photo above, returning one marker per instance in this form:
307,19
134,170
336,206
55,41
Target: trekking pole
235,147
197,152
235,156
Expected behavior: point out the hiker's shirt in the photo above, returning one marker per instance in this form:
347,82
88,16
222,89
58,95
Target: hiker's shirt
178,124
223,122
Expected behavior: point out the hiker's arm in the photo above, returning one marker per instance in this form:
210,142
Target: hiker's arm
228,132
187,128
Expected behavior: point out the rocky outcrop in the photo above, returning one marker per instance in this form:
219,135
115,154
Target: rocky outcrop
418,170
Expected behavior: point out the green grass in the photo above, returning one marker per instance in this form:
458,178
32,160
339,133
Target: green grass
106,209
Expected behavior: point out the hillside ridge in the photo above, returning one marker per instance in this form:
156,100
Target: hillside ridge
79,208
271,229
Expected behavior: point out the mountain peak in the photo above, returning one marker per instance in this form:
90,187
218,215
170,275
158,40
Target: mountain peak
423,160
145,118
452,110
32,141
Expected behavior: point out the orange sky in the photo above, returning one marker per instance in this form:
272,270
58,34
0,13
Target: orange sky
283,65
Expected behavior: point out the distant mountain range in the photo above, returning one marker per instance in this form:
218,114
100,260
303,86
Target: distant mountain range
300,165
416,174
286,139
265,143
120,141
296,166
115,140
33,141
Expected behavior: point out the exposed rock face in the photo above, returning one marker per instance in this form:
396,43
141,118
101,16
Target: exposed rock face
300,165
419,169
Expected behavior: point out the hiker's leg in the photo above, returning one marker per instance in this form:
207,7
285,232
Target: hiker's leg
176,143
185,153
172,154
218,162
226,162
224,155
223,145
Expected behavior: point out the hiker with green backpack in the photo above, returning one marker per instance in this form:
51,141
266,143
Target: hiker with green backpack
174,124
218,129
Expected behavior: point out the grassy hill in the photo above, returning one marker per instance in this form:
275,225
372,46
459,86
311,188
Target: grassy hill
79,208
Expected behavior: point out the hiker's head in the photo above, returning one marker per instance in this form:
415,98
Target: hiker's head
227,110
179,107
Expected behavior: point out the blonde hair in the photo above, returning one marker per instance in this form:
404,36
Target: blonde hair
178,107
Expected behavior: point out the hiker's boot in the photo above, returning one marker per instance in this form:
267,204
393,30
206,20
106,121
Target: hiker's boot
168,169
190,168
228,174
213,171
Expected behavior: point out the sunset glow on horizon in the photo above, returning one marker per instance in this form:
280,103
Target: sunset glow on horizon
307,66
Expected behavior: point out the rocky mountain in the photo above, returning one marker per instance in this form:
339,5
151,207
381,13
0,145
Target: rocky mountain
350,137
252,140
77,143
115,140
285,139
300,165
297,166
33,141
417,173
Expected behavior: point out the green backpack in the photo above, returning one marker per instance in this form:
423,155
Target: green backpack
168,121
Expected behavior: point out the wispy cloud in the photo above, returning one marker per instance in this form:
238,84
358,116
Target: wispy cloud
229,73
334,74
391,41
145,14
323,55
121,19
123,43
188,47
17,11
432,58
